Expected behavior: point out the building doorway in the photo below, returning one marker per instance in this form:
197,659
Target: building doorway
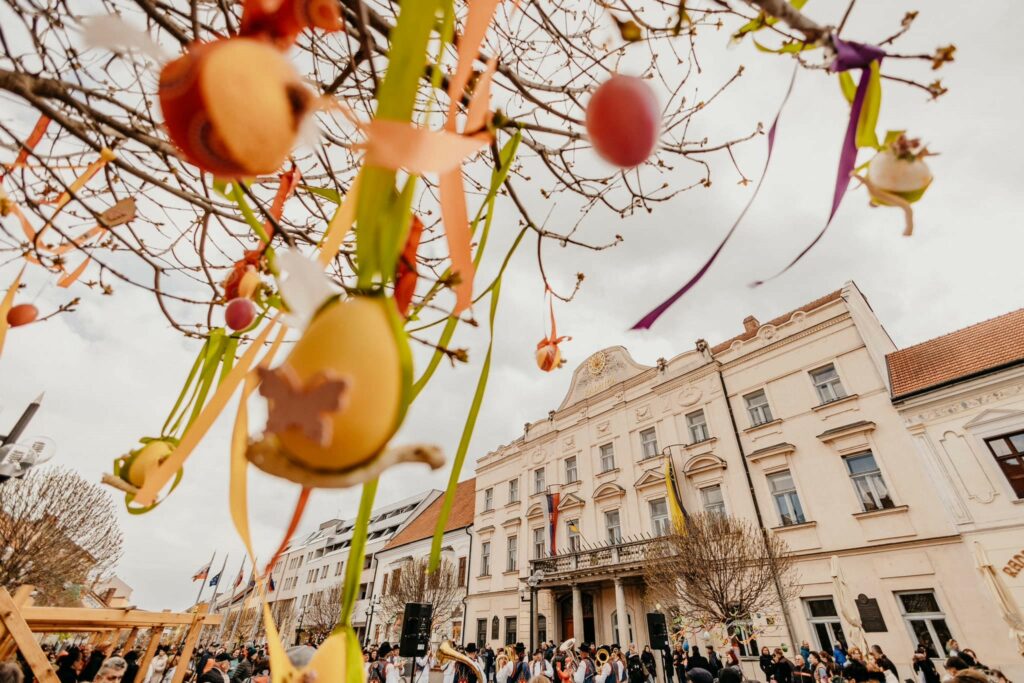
565,618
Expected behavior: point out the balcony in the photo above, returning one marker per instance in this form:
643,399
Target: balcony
622,558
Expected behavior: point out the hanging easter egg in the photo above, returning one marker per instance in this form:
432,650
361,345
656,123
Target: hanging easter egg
623,120
283,20
22,314
239,314
904,174
549,356
233,106
136,466
339,397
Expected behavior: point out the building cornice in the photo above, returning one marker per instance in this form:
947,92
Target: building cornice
783,341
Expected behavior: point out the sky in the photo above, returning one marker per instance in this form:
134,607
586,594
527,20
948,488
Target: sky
112,370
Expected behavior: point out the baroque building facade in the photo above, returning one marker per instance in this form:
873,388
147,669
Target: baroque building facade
790,424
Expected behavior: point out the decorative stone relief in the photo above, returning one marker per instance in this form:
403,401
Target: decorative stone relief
537,456
643,412
965,404
688,396
569,442
603,427
767,332
968,470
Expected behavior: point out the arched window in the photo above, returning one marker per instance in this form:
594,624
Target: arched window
542,628
629,628
495,626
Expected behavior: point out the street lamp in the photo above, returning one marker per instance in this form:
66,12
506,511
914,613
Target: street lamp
374,604
529,594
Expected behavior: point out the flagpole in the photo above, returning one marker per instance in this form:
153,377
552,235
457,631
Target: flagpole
216,588
241,611
234,590
202,583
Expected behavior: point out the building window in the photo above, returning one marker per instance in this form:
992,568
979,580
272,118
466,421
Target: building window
614,526
364,589
538,543
824,620
659,518
743,630
712,500
787,502
926,621
572,532
485,558
757,407
542,628
462,572
570,470
338,568
607,457
396,580
697,425
323,573
384,585
513,491
511,558
649,443
494,628
510,631
481,632
538,480
1008,451
629,625
826,382
368,561
867,480
488,499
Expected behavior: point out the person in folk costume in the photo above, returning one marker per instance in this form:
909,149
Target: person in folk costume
540,666
563,672
423,666
503,668
392,667
521,667
586,672
618,665
465,674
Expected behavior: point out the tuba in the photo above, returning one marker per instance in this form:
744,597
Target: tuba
569,663
602,656
446,652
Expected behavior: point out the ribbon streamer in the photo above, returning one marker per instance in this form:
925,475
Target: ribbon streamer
649,319
6,304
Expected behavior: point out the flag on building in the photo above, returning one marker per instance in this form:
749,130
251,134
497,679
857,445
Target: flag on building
238,579
202,573
272,586
552,500
216,580
675,503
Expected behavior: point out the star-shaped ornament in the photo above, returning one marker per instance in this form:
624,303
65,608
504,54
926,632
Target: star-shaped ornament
307,407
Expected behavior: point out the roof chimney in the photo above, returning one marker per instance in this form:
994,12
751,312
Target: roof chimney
750,324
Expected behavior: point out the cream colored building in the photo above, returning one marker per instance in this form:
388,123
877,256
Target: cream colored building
962,398
789,423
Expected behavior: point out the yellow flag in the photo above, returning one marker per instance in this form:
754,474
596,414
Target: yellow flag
675,505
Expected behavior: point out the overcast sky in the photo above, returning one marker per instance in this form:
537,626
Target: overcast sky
112,370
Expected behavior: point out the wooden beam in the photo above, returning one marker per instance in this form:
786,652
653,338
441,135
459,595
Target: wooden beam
190,644
154,641
129,644
87,619
22,597
19,630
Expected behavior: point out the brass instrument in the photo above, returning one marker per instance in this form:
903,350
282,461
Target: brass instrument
446,652
571,663
602,656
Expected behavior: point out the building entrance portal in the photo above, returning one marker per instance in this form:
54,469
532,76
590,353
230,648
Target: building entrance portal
565,618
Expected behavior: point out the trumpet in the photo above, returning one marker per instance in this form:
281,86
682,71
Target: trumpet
602,656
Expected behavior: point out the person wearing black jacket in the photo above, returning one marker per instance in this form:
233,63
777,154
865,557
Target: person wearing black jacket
884,663
91,667
647,657
487,657
69,665
697,660
923,666
714,663
782,668
766,663
132,657
218,673
679,663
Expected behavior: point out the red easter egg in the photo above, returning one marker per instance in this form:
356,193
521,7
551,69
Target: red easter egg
22,314
623,120
233,106
239,314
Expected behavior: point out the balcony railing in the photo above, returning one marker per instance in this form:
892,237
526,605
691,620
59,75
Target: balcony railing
627,555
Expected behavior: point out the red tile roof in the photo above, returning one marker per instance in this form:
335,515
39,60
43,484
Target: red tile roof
463,511
984,346
750,334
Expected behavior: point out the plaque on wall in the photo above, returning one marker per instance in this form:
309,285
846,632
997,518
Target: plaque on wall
870,614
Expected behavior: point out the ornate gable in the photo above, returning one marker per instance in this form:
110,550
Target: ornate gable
650,478
609,490
602,370
570,501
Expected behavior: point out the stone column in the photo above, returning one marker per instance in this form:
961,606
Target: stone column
621,615
577,613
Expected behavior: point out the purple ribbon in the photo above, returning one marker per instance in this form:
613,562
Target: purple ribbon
648,320
849,56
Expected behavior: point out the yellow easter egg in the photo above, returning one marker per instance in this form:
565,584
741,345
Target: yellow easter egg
138,465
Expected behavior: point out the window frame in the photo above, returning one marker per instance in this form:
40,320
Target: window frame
513,491
792,494
702,426
707,506
649,431
871,479
539,485
830,622
488,499
573,537
610,454
834,385
762,409
512,553
938,642
1014,454
661,524
538,545
511,629
485,558
613,538
575,469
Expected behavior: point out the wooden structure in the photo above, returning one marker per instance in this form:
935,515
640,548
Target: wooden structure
20,622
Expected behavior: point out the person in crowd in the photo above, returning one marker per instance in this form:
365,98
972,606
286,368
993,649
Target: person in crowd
540,666
839,655
805,650
172,664
854,653
111,669
766,663
969,656
647,657
855,671
218,673
243,670
697,660
423,667
636,672
802,672
11,673
954,650
158,666
698,675
679,662
540,679
782,668
955,665
488,659
924,668
586,671
69,665
714,663
132,672
819,670
730,674
93,663
503,667
883,661
970,676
